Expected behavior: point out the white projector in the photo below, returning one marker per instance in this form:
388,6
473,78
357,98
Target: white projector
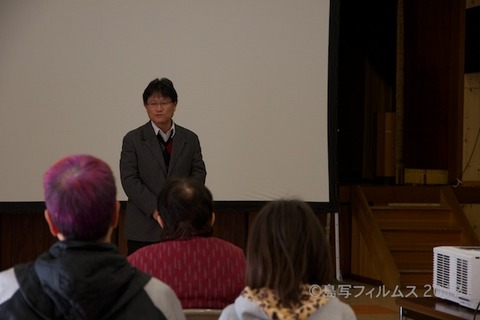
456,274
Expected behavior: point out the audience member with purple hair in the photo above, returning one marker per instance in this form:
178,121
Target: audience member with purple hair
83,276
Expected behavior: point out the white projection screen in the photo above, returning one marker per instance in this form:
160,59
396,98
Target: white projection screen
251,75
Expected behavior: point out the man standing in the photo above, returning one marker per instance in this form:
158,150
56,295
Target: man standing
151,154
83,276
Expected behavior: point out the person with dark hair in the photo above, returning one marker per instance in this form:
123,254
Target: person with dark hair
204,271
151,154
83,276
288,268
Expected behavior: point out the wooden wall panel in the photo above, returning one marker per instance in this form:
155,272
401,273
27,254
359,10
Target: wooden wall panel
361,259
23,236
433,77
471,129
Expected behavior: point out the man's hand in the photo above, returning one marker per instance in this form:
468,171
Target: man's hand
156,216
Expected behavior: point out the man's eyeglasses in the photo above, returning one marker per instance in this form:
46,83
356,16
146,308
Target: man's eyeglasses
161,104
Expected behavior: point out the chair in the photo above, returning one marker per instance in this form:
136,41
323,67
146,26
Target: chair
202,314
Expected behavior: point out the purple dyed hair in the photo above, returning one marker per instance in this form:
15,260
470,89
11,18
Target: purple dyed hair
80,194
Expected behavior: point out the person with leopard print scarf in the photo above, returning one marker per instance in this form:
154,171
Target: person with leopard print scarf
288,269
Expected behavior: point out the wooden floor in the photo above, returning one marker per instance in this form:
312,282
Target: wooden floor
370,302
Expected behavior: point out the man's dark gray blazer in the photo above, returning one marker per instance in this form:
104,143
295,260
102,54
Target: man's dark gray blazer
143,174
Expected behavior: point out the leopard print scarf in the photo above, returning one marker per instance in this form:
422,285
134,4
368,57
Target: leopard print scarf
268,301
